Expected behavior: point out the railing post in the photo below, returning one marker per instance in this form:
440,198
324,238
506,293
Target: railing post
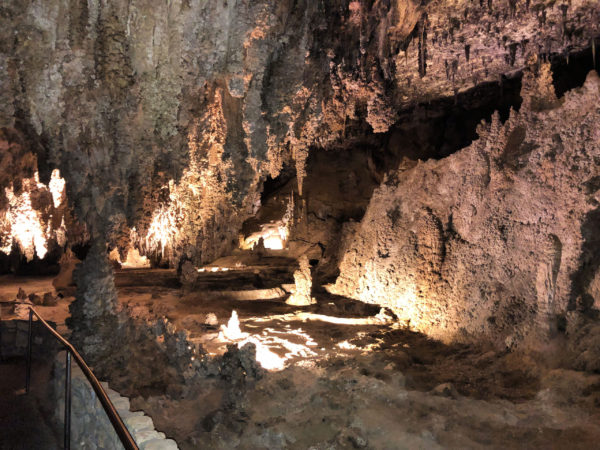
29,340
68,402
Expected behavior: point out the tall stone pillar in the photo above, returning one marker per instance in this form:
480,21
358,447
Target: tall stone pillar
94,317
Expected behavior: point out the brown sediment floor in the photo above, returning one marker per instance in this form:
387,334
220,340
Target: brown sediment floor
348,377
343,375
9,288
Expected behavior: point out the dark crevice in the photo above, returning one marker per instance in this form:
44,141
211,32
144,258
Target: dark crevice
432,130
570,72
272,185
589,263
445,125
16,263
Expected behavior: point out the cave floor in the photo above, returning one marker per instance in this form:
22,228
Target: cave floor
341,374
9,287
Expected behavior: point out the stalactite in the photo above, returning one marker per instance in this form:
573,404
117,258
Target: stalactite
523,44
513,7
542,18
423,46
512,49
564,8
300,156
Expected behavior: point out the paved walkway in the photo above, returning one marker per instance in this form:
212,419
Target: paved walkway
22,425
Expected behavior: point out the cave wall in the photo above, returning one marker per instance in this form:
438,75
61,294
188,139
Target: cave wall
496,241
126,96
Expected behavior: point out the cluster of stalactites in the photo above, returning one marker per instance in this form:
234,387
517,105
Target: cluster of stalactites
33,216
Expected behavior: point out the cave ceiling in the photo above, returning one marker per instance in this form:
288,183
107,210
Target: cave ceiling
137,102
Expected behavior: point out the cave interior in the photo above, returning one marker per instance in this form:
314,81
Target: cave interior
302,224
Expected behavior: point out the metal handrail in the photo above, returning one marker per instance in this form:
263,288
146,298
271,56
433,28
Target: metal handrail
116,421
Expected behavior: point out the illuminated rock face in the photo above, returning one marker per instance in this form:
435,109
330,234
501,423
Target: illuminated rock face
125,96
166,117
302,295
34,217
498,240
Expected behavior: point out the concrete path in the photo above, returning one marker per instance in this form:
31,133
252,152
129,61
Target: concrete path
22,425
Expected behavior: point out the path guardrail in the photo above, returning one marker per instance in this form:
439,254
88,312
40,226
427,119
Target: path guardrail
116,421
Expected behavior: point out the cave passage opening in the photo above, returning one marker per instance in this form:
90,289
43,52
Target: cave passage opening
349,171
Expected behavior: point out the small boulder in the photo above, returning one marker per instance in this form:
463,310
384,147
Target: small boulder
211,320
49,299
36,299
189,274
21,295
445,390
353,436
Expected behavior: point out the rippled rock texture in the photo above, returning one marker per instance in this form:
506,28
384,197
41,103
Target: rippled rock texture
497,240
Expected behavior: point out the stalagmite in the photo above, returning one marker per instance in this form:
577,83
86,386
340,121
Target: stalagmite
302,295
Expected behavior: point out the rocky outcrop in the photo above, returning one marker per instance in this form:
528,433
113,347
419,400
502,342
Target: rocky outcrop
496,240
302,295
191,103
95,320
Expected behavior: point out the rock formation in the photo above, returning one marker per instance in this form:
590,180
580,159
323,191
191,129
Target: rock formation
192,104
169,134
64,279
95,318
302,295
165,120
497,240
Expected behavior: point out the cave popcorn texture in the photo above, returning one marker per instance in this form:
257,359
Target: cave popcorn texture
496,240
